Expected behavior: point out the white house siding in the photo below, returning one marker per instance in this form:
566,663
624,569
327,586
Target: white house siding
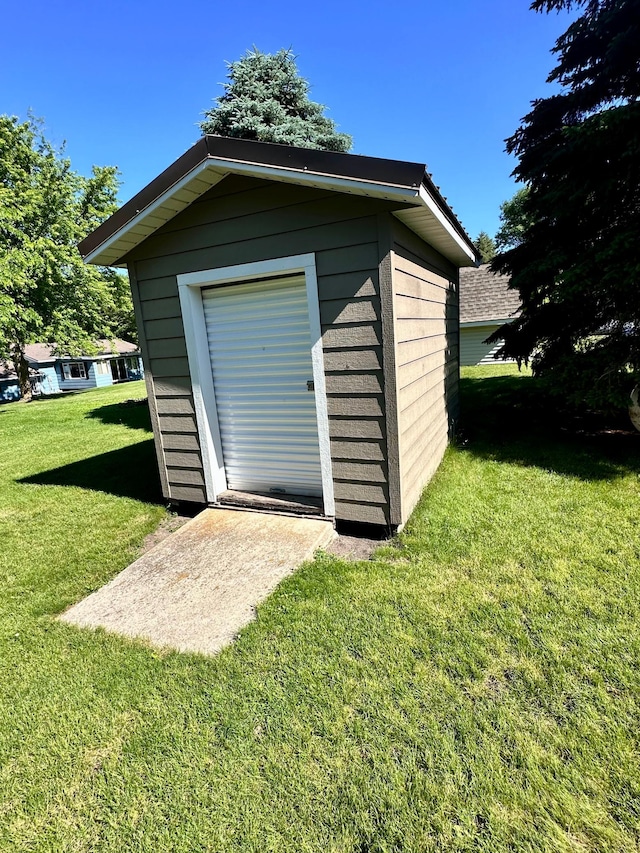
473,350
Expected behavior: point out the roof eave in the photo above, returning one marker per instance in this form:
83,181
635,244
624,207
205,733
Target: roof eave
207,163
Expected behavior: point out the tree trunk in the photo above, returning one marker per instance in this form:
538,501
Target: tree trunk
22,370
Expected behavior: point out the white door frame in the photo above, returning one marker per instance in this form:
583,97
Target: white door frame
190,291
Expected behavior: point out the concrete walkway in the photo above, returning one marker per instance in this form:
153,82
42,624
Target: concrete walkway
197,588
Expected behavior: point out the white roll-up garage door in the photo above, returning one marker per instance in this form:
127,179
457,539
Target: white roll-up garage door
260,349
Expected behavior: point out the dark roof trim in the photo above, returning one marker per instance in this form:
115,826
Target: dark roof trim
182,166
395,174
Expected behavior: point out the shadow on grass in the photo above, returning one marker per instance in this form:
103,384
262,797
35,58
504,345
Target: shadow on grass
511,419
131,413
131,472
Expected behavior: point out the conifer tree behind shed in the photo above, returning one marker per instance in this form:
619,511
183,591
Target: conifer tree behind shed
486,246
267,100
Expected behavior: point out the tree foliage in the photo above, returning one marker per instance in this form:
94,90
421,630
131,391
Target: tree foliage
514,221
486,246
576,263
46,292
267,100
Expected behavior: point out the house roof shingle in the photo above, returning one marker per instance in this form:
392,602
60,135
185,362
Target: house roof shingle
45,352
486,296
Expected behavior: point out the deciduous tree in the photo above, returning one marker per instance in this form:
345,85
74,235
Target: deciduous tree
513,221
46,292
267,100
576,264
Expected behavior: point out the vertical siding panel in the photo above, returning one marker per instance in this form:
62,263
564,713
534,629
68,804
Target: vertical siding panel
390,368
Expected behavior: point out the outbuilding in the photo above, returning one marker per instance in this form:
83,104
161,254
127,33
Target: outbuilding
298,319
486,303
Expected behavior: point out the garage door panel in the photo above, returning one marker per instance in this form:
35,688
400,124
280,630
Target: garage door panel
260,351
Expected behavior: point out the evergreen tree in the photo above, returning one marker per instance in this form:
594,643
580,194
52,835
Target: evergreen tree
486,246
46,292
267,100
577,263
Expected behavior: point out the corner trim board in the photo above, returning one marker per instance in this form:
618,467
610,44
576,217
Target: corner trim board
148,381
389,363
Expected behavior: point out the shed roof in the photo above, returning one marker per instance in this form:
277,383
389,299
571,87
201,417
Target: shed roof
485,295
212,158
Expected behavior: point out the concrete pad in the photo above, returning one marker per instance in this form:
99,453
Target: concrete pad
197,588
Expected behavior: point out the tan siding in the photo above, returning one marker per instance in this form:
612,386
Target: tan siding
364,492
353,359
347,285
363,512
323,238
355,407
177,423
180,441
349,337
158,288
175,406
167,348
354,383
165,367
426,349
362,429
161,329
246,220
174,386
188,493
185,476
159,309
371,451
349,311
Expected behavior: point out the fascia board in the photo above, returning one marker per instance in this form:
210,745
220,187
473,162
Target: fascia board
430,203
93,257
222,168
470,324
335,182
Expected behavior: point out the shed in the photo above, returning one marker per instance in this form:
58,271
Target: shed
486,303
298,319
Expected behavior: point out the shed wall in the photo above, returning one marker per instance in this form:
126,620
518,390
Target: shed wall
425,307
243,220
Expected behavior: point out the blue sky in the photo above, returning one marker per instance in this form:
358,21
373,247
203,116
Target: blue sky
443,83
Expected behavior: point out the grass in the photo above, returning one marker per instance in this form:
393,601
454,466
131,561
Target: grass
474,688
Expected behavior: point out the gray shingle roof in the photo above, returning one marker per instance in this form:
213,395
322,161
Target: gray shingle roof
44,352
485,296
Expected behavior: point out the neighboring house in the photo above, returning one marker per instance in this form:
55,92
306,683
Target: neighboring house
298,317
486,303
116,361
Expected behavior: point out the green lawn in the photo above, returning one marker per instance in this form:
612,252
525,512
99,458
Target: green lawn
475,688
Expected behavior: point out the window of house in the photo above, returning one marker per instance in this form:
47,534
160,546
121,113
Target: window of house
102,367
74,370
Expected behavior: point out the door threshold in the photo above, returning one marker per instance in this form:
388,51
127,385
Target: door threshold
266,502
